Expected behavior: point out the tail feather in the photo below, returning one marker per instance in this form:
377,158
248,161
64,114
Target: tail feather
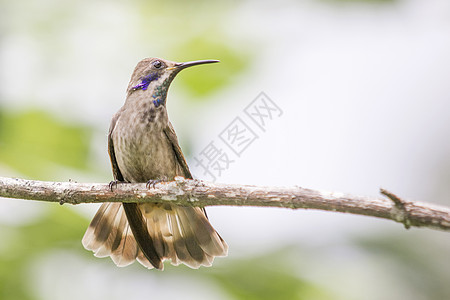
107,230
124,249
139,227
191,242
101,229
179,243
109,235
212,244
143,260
127,251
155,230
194,234
122,226
181,234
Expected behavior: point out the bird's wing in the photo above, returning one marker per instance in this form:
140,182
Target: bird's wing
172,137
112,156
134,215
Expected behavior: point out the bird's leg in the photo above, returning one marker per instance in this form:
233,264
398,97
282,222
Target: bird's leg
152,182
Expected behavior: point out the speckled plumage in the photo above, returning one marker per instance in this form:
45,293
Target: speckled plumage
142,150
143,146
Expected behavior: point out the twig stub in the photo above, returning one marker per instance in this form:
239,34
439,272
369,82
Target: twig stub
400,210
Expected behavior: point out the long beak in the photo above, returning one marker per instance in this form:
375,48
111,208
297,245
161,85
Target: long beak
184,65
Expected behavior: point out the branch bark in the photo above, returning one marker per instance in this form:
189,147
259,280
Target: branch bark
201,193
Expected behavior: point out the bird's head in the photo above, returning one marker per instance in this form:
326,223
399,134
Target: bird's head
154,75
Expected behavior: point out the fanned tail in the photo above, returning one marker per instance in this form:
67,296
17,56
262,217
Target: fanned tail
181,234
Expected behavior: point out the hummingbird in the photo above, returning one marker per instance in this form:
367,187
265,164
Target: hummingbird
143,147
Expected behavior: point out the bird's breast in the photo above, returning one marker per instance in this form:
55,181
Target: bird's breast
141,147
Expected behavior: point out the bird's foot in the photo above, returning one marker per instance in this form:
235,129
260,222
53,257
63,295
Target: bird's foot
152,182
113,184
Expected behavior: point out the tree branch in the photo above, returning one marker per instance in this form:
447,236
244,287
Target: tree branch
201,193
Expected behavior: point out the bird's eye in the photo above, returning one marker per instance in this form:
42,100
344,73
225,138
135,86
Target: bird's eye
157,64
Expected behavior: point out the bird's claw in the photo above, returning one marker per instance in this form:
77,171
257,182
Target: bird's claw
113,184
152,182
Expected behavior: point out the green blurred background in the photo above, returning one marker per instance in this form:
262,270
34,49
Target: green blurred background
366,99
